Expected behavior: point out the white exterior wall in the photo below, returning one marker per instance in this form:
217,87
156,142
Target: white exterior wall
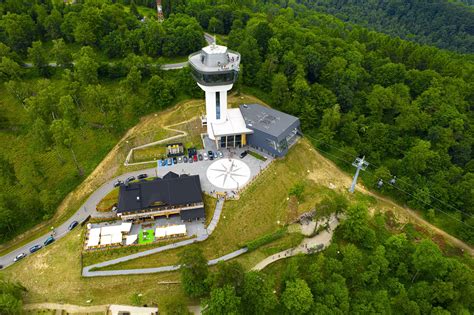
211,105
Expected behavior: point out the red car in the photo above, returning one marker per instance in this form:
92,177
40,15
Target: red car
195,158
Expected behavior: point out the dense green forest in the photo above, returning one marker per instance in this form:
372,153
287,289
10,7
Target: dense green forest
442,23
58,122
405,106
369,269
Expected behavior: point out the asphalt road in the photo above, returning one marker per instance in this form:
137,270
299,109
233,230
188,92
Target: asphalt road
88,208
169,66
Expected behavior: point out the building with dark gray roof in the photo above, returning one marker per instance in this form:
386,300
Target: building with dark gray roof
273,131
170,195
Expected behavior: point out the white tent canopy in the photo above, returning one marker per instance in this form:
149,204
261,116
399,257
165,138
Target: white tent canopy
106,240
107,235
126,227
131,239
161,232
94,237
176,230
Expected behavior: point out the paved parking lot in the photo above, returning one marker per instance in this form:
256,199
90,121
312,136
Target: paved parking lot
200,168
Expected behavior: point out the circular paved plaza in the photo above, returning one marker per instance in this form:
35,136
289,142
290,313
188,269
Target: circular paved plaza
228,173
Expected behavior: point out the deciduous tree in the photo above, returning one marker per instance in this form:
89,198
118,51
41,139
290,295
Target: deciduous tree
297,297
222,301
63,137
194,271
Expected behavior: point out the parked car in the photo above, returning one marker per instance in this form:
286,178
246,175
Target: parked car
163,162
35,248
175,160
211,155
185,159
131,178
220,154
72,225
200,157
205,156
19,257
142,176
195,158
170,162
190,160
114,209
191,152
48,241
244,154
180,159
118,183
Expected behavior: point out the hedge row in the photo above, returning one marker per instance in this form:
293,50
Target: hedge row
266,239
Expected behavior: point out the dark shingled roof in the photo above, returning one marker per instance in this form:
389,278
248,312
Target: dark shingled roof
265,119
171,190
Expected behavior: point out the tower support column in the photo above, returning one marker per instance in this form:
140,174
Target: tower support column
216,105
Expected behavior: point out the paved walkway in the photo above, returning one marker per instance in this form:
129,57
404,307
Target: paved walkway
86,271
181,133
157,269
69,308
216,216
88,208
308,245
104,309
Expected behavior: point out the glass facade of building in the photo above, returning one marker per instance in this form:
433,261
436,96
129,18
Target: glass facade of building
214,78
234,141
218,105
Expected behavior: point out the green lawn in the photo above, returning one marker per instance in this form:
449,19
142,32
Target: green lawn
146,237
193,129
91,146
93,257
109,200
262,209
39,312
54,275
148,154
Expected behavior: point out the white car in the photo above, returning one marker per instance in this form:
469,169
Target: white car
21,256
204,155
219,154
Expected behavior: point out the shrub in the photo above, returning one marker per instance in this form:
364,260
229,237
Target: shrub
266,239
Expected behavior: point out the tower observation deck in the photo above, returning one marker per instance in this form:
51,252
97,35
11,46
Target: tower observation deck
215,69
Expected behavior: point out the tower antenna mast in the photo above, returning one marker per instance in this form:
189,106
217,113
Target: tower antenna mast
159,10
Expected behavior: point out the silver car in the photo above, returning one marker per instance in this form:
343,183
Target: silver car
19,257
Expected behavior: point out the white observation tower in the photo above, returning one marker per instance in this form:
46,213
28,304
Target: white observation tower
215,69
